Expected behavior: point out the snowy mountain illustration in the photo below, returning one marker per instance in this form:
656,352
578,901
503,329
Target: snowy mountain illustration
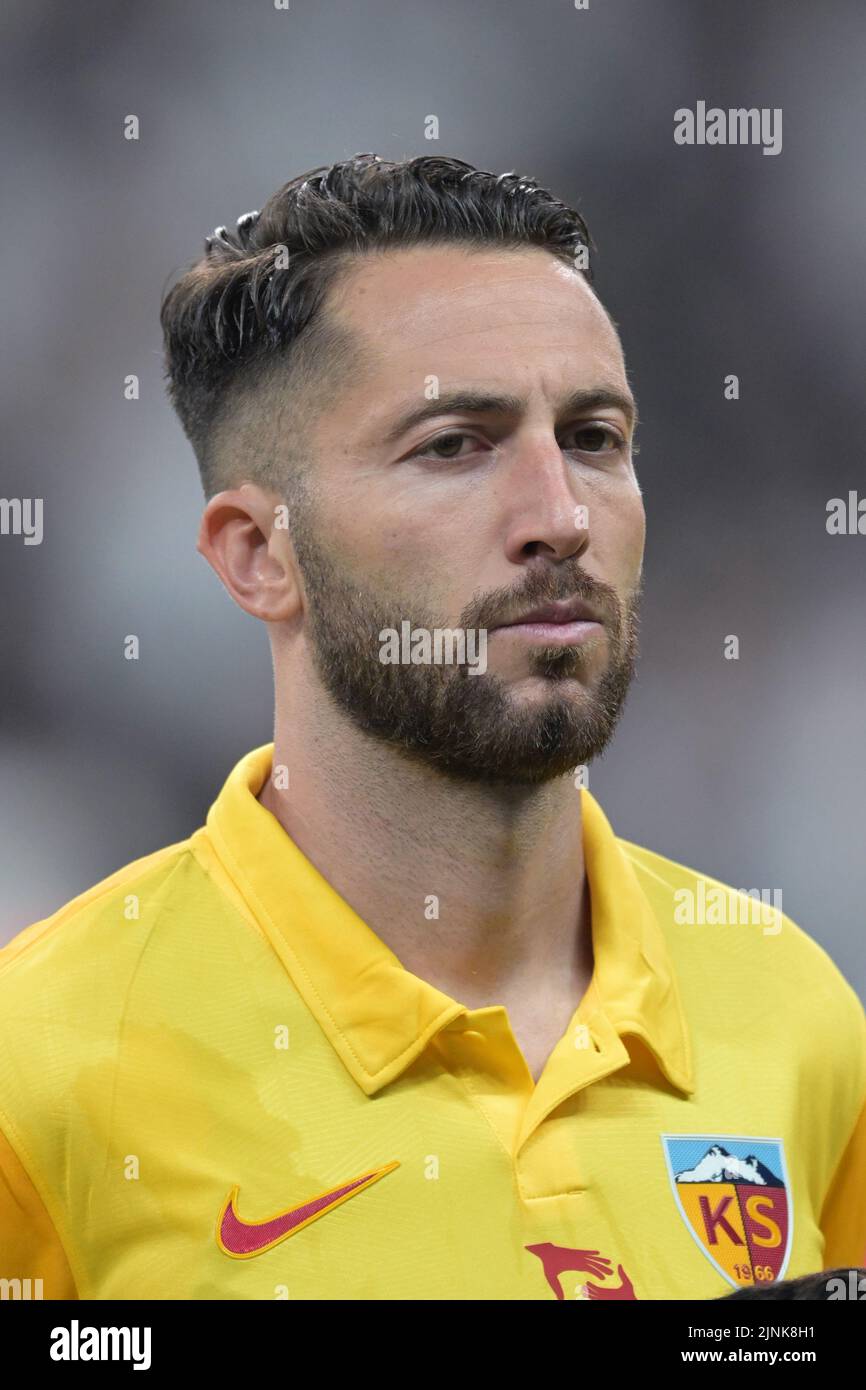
717,1165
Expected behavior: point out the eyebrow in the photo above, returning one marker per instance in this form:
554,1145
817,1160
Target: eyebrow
487,403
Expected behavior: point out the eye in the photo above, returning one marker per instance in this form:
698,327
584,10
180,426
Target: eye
445,446
597,438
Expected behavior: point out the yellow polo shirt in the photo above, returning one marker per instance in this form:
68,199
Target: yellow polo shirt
217,1082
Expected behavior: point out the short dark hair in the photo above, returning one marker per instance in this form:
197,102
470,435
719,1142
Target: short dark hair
249,311
808,1286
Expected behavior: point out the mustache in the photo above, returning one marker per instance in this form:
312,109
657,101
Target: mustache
543,587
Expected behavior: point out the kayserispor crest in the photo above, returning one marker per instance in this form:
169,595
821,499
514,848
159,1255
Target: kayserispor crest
734,1195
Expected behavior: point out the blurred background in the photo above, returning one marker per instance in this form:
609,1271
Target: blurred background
712,260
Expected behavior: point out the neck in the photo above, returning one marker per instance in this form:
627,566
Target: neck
501,866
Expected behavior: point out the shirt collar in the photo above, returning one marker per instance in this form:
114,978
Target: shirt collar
377,1015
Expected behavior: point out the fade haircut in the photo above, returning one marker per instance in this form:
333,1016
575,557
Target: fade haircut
249,352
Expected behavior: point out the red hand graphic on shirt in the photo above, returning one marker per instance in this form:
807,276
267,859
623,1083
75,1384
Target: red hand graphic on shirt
623,1290
556,1259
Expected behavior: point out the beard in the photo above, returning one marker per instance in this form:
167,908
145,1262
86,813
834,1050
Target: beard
469,727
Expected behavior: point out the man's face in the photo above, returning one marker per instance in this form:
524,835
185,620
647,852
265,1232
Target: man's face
473,515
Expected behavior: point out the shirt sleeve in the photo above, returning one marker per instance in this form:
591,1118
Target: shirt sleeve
843,1219
30,1247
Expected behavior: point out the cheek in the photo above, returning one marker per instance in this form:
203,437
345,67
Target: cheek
621,537
398,563
637,529
431,556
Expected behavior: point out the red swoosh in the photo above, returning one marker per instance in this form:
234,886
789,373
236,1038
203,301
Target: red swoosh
241,1239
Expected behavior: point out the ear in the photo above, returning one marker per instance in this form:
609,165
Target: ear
253,556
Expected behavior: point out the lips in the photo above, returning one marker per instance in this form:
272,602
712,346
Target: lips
570,611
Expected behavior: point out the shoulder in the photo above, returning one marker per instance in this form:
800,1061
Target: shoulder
742,938
76,942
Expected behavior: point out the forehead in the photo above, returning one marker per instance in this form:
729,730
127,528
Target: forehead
459,312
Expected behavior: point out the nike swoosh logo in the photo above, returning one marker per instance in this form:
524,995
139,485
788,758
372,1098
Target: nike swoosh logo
243,1239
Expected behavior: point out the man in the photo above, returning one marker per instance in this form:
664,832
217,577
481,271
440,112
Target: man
405,1019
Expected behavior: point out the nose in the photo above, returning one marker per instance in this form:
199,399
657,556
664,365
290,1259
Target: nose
546,514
